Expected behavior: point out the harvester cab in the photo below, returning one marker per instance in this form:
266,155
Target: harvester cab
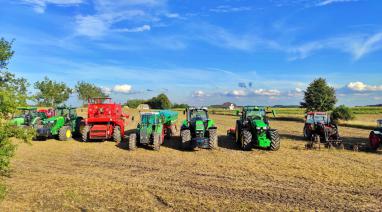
105,121
253,129
63,125
28,116
319,128
153,128
375,136
198,130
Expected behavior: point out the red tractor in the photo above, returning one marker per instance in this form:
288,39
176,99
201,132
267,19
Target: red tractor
105,121
319,128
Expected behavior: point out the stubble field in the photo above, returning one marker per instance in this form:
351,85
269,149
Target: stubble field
99,176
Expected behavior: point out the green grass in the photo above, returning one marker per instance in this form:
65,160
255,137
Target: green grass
3,191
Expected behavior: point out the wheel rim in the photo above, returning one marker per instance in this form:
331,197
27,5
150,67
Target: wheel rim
68,133
374,141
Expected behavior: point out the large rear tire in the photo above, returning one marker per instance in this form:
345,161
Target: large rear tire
186,139
65,133
275,140
213,139
157,142
246,140
85,134
238,133
375,140
132,141
117,134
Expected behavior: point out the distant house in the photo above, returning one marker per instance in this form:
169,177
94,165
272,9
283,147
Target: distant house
143,107
229,105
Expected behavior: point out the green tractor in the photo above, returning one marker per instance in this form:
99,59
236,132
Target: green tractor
153,128
62,126
198,130
253,130
28,117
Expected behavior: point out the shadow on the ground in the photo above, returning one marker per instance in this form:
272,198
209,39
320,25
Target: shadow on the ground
293,137
227,142
173,143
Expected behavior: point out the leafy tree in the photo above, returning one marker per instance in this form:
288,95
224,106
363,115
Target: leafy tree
342,113
319,96
134,103
13,93
180,105
159,102
6,53
51,93
86,91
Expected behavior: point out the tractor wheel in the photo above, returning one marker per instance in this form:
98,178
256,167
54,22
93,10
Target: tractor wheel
186,139
117,134
213,139
246,140
85,134
375,140
238,133
132,141
65,133
307,134
156,142
275,140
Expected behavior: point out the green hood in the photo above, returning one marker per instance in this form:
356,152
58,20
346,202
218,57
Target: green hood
17,121
259,123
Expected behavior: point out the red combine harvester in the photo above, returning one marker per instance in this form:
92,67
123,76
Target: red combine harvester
105,121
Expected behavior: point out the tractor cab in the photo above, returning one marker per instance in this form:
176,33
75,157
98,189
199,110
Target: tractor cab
69,113
27,116
198,114
253,113
317,118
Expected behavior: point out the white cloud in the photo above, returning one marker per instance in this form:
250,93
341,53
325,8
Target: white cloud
39,6
264,92
297,92
328,2
199,93
110,12
106,90
136,29
356,45
237,93
229,9
125,88
360,86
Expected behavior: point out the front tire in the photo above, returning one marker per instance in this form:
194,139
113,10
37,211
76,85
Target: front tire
157,142
186,139
132,141
213,139
65,133
117,134
246,140
275,140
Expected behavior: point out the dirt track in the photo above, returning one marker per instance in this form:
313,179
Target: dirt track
54,175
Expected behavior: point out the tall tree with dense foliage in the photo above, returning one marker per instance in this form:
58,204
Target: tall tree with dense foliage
13,93
159,102
319,96
87,90
51,93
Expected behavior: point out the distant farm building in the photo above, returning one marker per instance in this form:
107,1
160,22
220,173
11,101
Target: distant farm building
143,107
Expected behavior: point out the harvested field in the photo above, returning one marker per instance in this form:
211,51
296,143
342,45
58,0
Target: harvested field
66,176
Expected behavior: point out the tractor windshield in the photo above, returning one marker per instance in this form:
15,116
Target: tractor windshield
198,115
255,114
317,118
149,119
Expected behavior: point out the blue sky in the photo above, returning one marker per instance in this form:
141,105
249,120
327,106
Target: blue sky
261,52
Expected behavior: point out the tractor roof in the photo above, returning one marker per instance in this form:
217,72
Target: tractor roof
65,107
197,108
100,100
316,113
253,108
149,113
27,108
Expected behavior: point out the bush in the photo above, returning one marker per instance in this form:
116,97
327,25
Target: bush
342,113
